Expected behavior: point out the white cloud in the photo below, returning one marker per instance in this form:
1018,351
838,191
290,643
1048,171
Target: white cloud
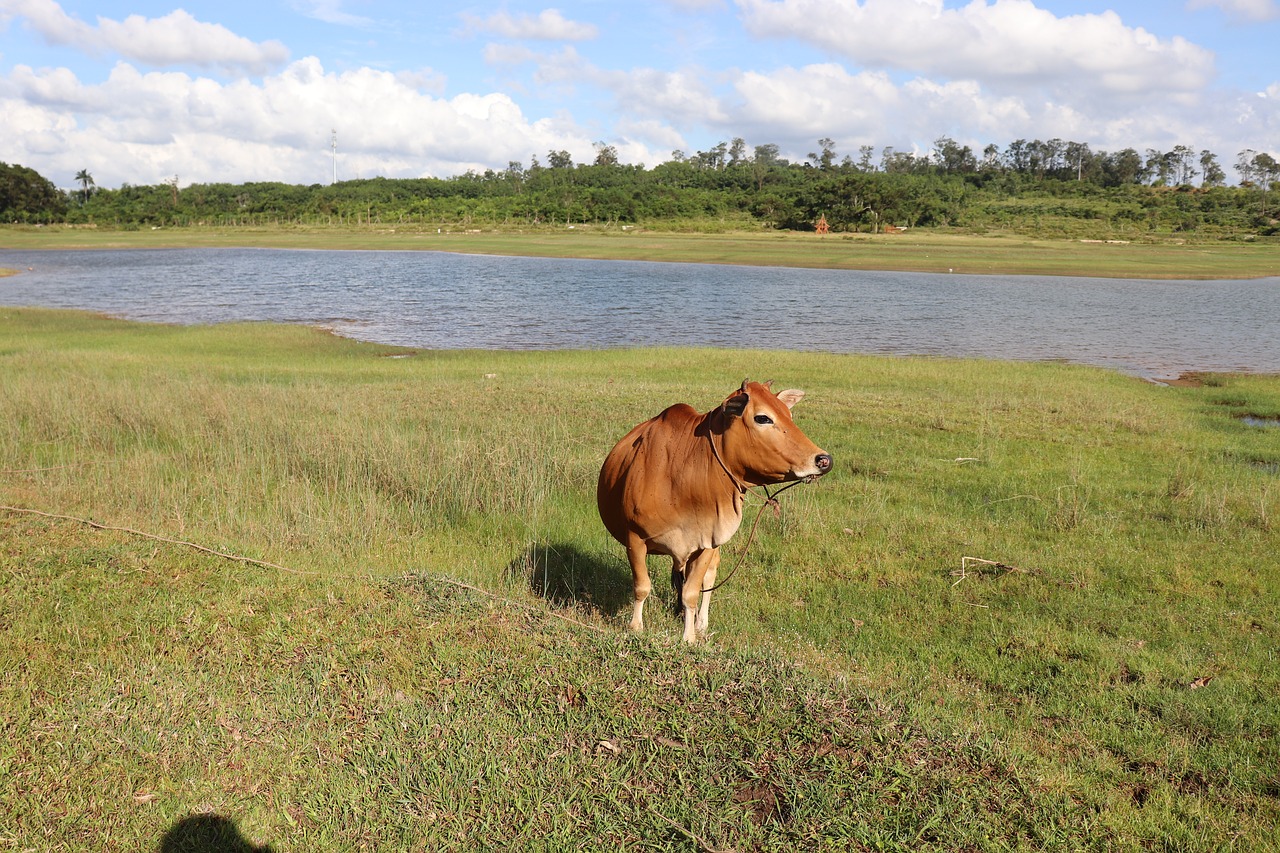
817,100
547,25
179,39
172,40
656,141
138,127
987,74
794,107
683,98
1241,10
1010,44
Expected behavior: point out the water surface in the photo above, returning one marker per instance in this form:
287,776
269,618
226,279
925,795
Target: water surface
1154,329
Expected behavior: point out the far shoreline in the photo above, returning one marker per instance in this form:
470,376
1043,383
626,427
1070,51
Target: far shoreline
928,251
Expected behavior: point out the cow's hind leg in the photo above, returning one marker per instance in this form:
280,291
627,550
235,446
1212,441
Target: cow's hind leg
640,582
700,574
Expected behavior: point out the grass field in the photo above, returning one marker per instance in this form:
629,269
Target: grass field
923,251
429,652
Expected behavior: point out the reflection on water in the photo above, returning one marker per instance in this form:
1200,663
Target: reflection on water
1155,329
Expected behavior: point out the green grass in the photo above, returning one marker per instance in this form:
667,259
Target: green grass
992,252
859,692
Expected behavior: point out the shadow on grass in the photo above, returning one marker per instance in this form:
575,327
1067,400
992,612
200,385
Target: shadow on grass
567,576
208,833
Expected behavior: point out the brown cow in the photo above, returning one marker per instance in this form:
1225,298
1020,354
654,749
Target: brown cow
674,485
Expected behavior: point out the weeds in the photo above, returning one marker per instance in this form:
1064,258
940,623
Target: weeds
442,662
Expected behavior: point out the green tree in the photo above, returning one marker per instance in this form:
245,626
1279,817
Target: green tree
902,162
606,155
866,158
1017,156
28,196
1211,174
766,158
1122,167
991,158
717,157
825,159
85,180
1182,157
1266,171
1080,160
953,158
1159,167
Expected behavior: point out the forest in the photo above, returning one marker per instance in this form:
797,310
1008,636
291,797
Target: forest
1046,188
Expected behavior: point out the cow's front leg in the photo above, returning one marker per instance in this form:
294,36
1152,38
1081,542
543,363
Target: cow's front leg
708,581
699,575
677,586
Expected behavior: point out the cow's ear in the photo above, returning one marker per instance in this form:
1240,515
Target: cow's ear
736,405
790,397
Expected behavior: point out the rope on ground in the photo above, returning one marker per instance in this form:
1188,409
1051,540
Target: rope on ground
158,538
265,564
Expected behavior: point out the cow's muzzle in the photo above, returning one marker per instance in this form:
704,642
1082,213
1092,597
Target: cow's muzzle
823,463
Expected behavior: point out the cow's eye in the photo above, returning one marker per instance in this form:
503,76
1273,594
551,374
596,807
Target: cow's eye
764,420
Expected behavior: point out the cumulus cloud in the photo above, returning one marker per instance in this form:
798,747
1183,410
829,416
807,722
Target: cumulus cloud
793,107
174,39
681,97
547,25
138,127
1011,44
648,141
817,100
885,74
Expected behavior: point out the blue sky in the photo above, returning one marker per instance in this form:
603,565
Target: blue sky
139,92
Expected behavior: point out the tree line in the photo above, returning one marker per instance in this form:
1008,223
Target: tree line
1037,186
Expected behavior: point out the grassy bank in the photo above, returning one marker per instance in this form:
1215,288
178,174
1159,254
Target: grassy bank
922,251
430,652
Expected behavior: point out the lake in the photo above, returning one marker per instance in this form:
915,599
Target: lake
1153,329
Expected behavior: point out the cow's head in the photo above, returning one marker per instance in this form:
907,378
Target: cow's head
760,441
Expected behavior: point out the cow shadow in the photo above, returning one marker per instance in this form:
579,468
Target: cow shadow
208,833
566,576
